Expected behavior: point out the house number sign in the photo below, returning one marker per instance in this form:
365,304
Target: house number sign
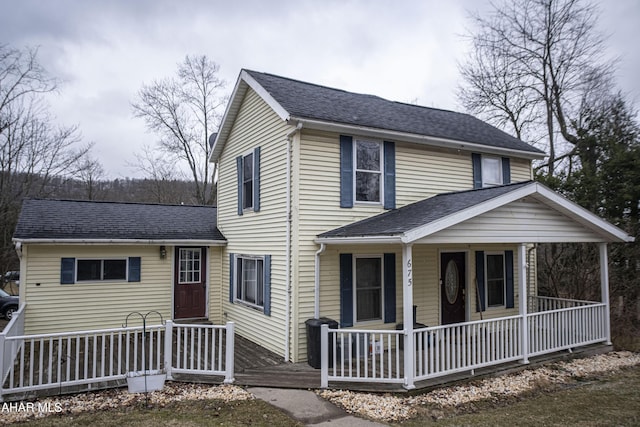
409,275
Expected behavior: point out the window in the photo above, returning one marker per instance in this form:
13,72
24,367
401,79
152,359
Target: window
491,171
495,279
101,269
367,172
248,170
368,288
189,265
247,184
368,167
250,281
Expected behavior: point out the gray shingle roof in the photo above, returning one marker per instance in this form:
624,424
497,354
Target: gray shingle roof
409,217
73,219
310,101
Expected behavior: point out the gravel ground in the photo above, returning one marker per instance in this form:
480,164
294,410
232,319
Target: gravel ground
394,408
373,406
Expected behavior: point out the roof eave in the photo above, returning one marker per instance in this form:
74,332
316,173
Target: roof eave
168,242
245,81
416,138
359,240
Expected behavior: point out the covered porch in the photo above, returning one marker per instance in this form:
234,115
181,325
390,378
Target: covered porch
489,328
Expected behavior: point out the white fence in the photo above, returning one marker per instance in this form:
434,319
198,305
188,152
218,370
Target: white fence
14,328
104,357
377,356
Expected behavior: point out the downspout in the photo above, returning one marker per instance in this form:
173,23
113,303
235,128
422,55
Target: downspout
287,321
316,290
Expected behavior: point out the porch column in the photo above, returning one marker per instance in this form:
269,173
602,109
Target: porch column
407,315
523,300
604,286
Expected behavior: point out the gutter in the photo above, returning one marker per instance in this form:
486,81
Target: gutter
289,220
364,240
168,242
416,138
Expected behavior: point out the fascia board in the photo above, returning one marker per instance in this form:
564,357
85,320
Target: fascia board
415,138
228,118
369,240
463,215
169,242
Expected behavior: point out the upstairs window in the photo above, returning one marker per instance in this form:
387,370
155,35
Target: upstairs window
489,171
247,182
368,166
248,172
367,172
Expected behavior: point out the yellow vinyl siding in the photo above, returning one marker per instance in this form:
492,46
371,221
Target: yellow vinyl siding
421,172
214,309
52,307
256,233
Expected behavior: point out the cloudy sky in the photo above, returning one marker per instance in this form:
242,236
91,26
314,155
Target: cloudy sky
104,50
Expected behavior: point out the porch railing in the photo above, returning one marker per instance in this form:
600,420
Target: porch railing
104,357
361,355
537,303
566,328
350,355
14,328
448,349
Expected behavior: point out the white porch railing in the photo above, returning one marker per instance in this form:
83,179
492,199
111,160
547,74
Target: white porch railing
104,357
448,349
537,303
555,330
14,328
361,355
376,356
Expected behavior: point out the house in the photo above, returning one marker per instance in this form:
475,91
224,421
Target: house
87,265
386,217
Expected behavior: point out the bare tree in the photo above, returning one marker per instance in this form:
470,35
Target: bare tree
33,149
162,176
184,111
534,63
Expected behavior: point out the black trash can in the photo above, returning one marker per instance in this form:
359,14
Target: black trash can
313,341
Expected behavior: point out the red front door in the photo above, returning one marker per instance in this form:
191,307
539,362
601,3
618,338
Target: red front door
190,283
452,287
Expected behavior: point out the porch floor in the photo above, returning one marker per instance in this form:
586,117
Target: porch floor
258,367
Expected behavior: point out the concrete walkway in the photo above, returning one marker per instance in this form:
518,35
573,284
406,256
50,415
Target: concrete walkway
308,408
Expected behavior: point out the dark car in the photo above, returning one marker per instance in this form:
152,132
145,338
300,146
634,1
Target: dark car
8,304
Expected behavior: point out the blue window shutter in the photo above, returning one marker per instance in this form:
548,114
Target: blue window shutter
346,290
389,288
389,175
506,170
266,270
67,271
480,304
256,179
346,171
508,268
476,160
232,265
134,269
240,167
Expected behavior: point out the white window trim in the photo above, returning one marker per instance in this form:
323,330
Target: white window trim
482,161
236,284
253,184
126,270
355,289
180,259
356,170
504,281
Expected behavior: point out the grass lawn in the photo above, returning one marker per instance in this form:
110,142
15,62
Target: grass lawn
604,401
184,414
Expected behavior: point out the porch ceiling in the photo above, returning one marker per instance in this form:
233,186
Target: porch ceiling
526,212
